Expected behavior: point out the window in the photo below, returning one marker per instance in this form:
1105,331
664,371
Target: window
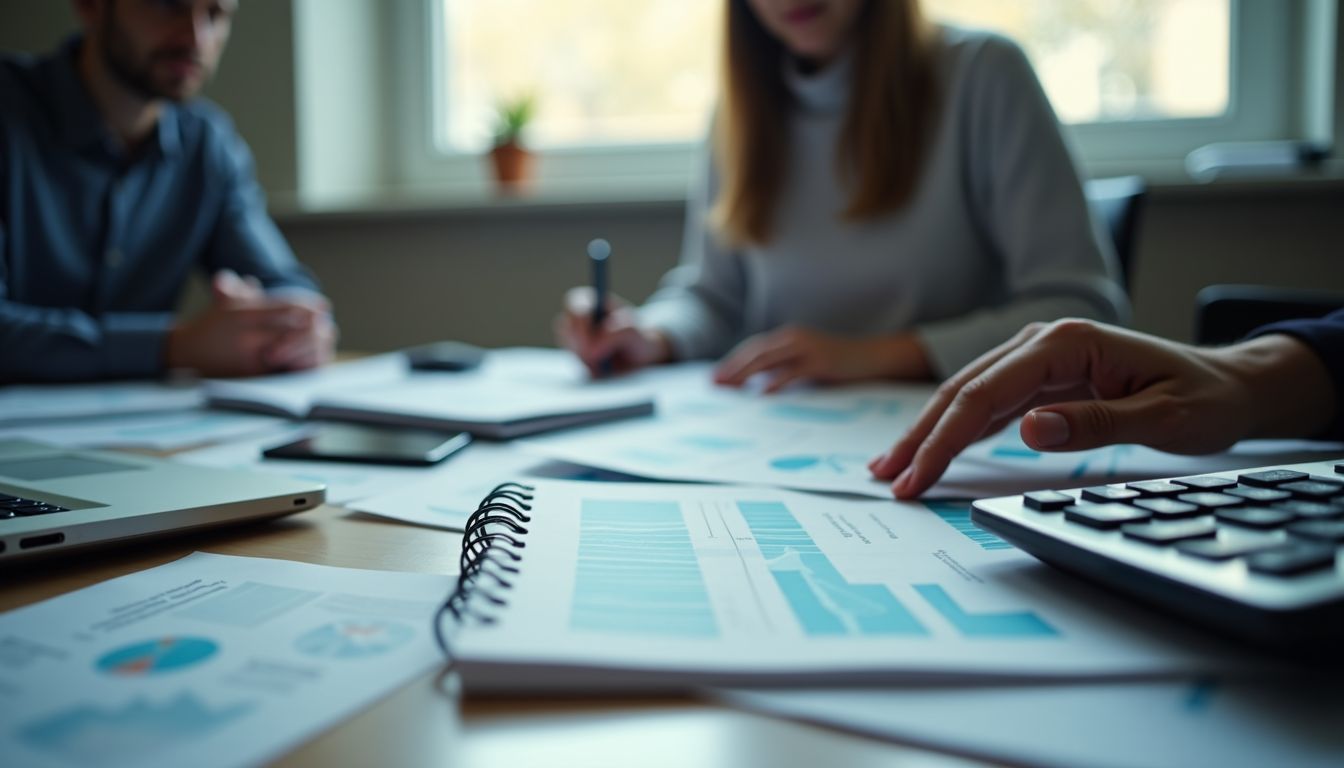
624,88
602,71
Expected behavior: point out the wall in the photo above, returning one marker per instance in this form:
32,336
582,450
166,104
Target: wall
496,276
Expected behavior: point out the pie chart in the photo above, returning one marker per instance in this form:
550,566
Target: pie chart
150,657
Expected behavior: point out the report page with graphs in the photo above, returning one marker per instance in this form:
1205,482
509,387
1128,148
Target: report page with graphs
615,585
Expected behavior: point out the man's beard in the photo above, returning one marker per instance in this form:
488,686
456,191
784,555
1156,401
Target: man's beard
138,75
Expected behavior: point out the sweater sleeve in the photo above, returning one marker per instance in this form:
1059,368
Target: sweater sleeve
1028,202
699,304
1325,337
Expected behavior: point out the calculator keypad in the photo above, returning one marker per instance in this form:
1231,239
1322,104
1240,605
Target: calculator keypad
1282,523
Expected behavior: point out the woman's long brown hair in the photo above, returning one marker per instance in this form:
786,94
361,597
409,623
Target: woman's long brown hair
883,138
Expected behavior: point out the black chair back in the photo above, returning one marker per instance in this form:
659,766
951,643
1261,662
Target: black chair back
1118,203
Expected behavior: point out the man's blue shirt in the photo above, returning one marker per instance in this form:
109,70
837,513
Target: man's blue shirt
96,246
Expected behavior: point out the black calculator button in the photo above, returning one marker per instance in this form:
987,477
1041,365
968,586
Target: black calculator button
1104,493
1211,501
1328,531
1272,477
1254,517
1310,489
1206,482
1292,559
6,514
1170,532
1047,501
1222,549
1259,495
1339,469
1151,488
7,497
1169,509
1104,516
1310,510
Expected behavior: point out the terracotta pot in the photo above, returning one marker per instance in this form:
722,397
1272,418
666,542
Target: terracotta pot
513,166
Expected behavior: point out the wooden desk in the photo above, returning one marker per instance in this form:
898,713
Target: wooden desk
422,724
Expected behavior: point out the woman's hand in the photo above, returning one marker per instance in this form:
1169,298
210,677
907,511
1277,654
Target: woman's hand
1082,385
793,354
619,345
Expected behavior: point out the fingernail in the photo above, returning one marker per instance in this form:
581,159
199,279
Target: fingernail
1050,428
898,485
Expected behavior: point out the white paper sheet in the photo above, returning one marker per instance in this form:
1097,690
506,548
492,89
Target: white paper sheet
446,498
1155,724
807,439
822,440
209,661
154,431
345,481
22,404
651,584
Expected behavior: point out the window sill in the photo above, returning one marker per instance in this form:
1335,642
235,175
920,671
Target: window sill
667,193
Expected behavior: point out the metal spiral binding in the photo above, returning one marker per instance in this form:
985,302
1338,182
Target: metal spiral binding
489,552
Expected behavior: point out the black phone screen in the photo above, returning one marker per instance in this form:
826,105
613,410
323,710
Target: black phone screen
372,445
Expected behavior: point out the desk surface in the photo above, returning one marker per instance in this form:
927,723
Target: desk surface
423,724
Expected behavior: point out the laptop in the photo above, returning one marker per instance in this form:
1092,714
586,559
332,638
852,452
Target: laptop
56,500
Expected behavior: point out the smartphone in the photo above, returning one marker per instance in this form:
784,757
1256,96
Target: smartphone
372,445
445,356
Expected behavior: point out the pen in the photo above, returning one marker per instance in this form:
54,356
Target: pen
599,251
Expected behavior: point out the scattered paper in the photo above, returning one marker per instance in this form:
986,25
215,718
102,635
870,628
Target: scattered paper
1155,724
153,431
23,404
209,661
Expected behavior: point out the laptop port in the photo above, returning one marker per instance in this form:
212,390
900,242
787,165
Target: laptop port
41,541
300,502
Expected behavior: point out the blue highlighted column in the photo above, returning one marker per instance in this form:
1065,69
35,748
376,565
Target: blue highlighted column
638,572
958,515
823,601
1007,624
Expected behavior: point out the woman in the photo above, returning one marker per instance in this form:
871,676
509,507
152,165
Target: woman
885,199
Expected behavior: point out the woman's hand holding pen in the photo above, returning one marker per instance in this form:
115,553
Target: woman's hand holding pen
619,345
798,354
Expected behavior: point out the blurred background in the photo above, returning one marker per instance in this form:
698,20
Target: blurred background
372,122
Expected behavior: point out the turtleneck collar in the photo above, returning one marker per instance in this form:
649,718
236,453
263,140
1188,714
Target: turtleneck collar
824,91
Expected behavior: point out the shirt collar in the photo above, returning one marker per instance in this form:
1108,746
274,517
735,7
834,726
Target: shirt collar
824,91
79,121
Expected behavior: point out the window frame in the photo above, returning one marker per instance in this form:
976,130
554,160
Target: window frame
1264,68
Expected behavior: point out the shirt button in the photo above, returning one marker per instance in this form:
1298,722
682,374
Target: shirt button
113,257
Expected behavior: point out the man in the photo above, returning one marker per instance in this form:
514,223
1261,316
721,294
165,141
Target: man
1082,385
114,184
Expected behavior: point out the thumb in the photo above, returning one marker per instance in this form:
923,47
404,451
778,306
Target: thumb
226,286
1085,424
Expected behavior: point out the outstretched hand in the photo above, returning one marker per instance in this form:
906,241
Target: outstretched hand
1080,385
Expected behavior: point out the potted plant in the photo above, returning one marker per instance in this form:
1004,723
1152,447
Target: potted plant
512,161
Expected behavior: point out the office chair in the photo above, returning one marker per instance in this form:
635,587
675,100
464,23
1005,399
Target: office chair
1226,313
1118,202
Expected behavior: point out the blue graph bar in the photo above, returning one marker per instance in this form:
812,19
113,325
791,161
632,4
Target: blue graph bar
638,572
958,515
823,601
1008,624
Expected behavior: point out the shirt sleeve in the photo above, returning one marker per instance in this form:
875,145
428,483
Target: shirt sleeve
699,304
1028,202
1325,337
245,238
57,344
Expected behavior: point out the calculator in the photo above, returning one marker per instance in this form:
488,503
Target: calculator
1256,554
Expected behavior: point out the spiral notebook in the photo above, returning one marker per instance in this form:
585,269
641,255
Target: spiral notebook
586,587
